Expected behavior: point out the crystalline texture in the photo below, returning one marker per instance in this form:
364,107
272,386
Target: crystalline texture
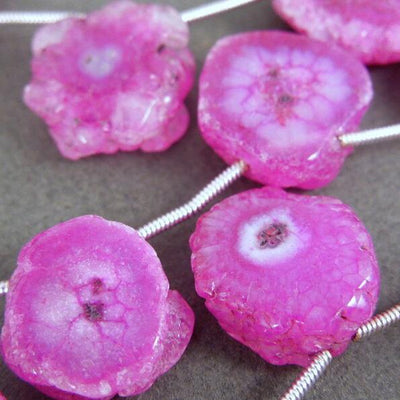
89,313
278,101
115,80
285,274
369,29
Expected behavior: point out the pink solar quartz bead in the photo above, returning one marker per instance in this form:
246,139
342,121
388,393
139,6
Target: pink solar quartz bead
278,101
115,80
285,274
368,28
89,313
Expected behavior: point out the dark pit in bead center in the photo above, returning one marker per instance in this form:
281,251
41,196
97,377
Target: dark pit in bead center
272,236
97,285
94,311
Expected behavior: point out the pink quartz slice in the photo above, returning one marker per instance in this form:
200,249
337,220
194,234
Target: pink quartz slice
370,29
278,101
115,80
89,313
285,274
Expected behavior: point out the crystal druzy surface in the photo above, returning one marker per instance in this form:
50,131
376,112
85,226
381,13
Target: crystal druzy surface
115,80
370,29
287,275
89,313
278,101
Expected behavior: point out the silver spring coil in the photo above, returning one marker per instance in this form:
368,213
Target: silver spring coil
35,17
308,377
46,17
370,136
378,322
3,287
214,8
311,374
216,186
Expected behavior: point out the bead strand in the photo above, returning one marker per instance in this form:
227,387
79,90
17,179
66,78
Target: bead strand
378,322
35,18
309,376
3,287
216,186
312,373
370,136
46,17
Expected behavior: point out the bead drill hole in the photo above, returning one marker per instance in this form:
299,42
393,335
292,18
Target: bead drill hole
285,99
94,311
273,73
272,236
97,285
161,48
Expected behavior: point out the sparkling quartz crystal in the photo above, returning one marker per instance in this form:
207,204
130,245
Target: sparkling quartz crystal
115,80
278,101
368,28
89,313
287,275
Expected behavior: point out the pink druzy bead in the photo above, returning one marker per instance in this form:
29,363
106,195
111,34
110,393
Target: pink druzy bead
370,29
278,101
89,313
115,80
287,275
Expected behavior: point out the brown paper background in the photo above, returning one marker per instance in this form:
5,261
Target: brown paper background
39,189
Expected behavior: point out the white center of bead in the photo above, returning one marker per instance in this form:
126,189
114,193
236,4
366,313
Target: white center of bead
100,63
289,240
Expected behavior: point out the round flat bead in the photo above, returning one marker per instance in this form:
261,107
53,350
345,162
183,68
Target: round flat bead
115,80
287,275
278,101
369,29
89,312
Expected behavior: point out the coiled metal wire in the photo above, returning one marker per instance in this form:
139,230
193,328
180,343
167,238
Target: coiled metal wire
370,136
35,17
3,287
311,374
185,211
378,322
46,17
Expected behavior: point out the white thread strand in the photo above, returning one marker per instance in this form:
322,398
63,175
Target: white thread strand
309,376
46,17
3,287
216,186
370,136
378,322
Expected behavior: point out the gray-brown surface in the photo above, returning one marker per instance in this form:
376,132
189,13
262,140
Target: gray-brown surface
39,189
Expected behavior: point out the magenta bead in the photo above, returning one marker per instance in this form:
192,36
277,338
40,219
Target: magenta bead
287,275
278,101
89,313
369,29
115,80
